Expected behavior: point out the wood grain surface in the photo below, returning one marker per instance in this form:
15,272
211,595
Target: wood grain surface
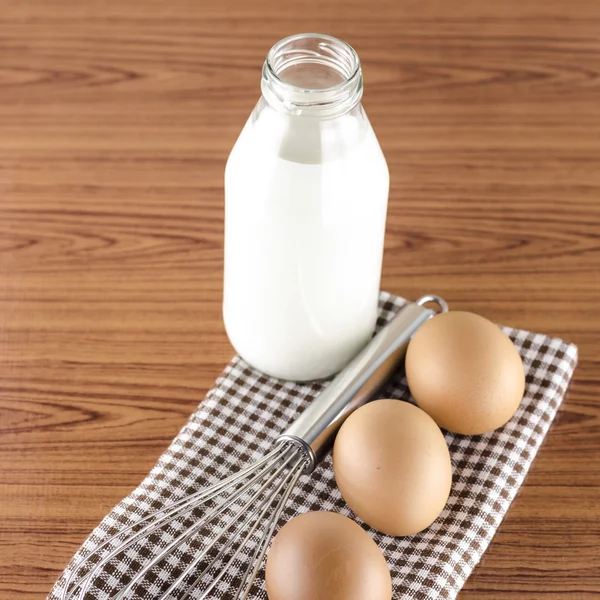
116,119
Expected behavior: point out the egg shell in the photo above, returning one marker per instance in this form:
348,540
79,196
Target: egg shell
465,372
392,466
326,556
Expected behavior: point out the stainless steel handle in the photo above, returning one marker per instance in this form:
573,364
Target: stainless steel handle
361,379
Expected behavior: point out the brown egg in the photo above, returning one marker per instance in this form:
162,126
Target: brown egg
326,556
465,372
392,466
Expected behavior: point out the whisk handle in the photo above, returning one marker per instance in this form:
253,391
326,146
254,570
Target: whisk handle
316,428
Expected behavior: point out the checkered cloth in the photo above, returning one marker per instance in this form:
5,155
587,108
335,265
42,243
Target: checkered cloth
244,413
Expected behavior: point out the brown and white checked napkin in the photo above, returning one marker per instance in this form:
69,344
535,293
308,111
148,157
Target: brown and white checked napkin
244,413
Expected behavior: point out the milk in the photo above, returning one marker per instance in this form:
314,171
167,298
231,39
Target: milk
305,207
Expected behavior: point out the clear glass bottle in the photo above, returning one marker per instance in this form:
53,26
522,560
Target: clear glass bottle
306,190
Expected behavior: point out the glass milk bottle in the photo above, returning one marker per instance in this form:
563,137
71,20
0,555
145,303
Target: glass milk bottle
306,190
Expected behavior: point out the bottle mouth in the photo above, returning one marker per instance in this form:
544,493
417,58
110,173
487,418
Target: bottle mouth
312,73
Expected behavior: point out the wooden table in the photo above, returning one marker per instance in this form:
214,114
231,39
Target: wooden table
115,122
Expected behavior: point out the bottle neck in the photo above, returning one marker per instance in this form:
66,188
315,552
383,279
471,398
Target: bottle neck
312,75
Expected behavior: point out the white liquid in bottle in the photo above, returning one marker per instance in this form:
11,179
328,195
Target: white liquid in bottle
306,200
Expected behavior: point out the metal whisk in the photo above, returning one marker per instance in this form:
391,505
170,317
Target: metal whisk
241,512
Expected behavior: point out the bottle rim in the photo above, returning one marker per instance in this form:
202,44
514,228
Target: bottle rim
319,49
